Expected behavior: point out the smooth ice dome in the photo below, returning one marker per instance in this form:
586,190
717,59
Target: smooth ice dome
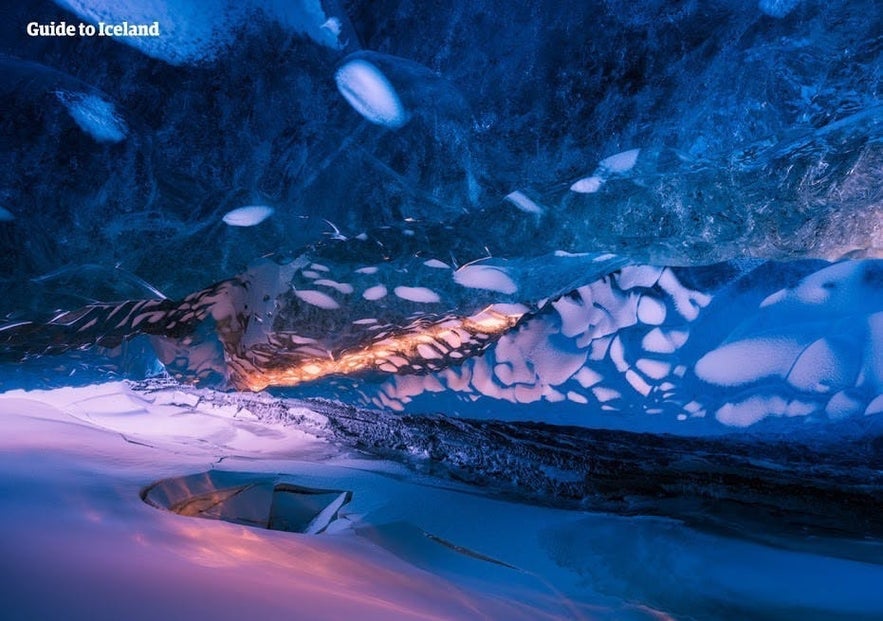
369,92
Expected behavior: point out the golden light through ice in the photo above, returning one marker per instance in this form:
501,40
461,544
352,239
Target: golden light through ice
429,348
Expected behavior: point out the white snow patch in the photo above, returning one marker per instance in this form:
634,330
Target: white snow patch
575,315
587,185
620,162
654,369
367,270
374,293
587,377
657,342
678,337
774,298
875,406
370,93
427,352
509,309
637,382
748,360
687,302
248,216
525,204
577,397
317,298
751,410
604,395
650,310
342,287
417,294
436,264
821,367
632,276
487,277
617,355
842,404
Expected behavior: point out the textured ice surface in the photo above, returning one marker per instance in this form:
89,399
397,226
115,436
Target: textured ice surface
691,350
491,213
732,162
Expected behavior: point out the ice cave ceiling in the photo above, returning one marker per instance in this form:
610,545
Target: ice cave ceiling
656,217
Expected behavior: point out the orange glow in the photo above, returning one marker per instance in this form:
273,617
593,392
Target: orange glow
483,326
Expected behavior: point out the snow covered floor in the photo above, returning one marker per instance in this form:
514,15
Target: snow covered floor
78,542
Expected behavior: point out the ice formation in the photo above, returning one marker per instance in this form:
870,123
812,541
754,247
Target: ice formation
368,91
635,271
94,115
248,216
200,31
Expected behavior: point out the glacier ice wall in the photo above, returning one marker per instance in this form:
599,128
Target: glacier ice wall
437,164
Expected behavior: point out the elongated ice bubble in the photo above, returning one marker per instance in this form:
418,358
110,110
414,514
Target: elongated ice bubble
525,204
94,115
248,216
485,277
370,93
587,185
417,294
621,162
317,298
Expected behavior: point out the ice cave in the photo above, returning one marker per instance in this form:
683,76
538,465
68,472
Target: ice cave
392,310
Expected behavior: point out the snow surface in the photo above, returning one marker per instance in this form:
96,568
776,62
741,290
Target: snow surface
406,546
